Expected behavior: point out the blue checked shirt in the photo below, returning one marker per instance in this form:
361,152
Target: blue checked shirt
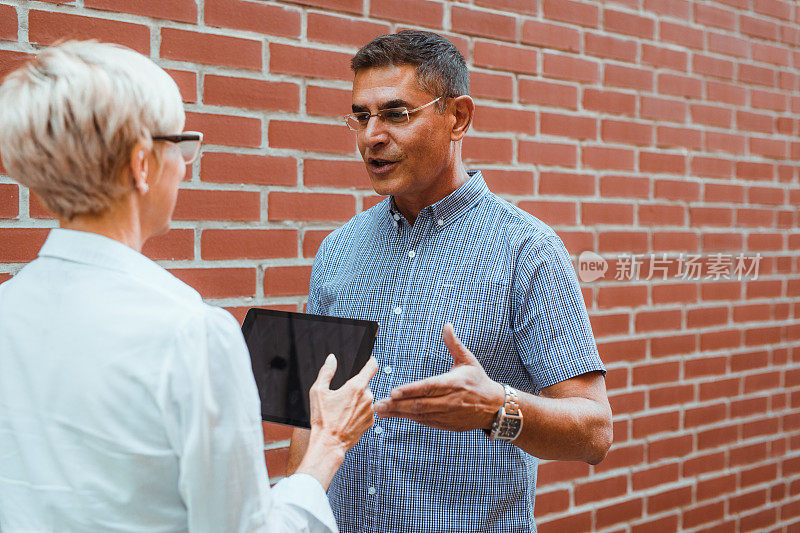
505,281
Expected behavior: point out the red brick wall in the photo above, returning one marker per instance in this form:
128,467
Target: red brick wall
638,126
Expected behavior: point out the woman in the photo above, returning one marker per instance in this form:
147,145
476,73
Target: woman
126,403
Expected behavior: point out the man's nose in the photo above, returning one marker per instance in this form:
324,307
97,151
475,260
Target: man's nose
375,131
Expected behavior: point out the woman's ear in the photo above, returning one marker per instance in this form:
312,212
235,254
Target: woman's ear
139,168
463,111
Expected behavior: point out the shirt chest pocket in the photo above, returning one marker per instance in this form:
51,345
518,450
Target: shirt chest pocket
478,312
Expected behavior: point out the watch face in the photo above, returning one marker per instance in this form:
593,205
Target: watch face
510,427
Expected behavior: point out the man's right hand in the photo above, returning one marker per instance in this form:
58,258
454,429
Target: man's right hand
338,420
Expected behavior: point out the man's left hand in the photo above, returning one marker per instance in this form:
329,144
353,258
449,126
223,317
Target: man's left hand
462,399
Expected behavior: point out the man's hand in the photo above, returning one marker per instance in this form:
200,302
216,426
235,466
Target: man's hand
462,399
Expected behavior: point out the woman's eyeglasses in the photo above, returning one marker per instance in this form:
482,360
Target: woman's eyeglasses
189,143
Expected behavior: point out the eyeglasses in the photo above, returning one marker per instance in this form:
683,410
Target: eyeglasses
396,116
189,143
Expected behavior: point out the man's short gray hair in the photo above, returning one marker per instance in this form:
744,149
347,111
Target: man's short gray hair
71,117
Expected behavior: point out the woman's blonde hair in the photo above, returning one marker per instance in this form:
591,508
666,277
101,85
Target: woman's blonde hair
70,118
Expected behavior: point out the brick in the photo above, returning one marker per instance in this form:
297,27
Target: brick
340,174
680,34
657,320
675,190
548,93
710,216
701,416
755,217
553,213
774,101
622,457
770,148
676,344
703,464
717,437
663,109
573,522
221,167
551,502
678,85
327,101
341,30
251,93
667,523
248,244
311,137
756,27
547,153
9,201
175,245
628,77
482,23
219,282
312,239
210,49
626,403
664,163
627,132
753,453
569,68
250,16
487,149
623,241
599,157
773,8
695,516
227,130
572,12
621,296
287,280
625,187
36,209
609,47
518,6
504,119
706,317
606,213
712,66
217,205
8,23
554,472
576,127
670,499
628,24
493,86
509,181
609,324
664,448
714,487
662,215
727,93
181,10
724,142
755,122
619,512
593,491
664,57
349,6
755,171
549,35
309,62
310,206
727,45
186,82
47,28
717,17
416,12
654,476
674,293
774,55
10,61
506,57
715,116
21,245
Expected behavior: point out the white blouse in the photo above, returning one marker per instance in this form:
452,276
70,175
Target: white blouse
128,404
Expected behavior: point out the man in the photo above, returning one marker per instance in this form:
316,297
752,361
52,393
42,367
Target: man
444,258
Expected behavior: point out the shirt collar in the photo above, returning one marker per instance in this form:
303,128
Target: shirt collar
97,250
451,207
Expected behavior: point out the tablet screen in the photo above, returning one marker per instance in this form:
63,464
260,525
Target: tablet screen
288,349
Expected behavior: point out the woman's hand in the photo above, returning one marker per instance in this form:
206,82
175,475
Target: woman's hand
338,419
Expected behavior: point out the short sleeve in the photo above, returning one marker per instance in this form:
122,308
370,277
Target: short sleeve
550,324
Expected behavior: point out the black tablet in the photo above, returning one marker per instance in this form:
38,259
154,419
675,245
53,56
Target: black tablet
288,349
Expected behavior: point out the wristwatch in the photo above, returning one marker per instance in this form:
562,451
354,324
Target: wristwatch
508,423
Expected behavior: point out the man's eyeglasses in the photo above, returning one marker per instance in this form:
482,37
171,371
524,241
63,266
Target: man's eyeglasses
189,143
396,116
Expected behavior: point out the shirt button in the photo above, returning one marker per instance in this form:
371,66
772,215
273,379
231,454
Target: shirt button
378,430
398,310
396,216
411,254
372,491
440,222
387,370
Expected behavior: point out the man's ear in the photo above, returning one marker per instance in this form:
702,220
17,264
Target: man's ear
139,167
463,110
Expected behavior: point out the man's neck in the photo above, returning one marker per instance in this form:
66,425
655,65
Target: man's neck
410,206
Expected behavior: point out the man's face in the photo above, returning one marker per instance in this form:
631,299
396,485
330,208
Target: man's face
406,160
